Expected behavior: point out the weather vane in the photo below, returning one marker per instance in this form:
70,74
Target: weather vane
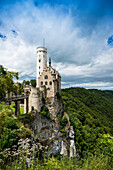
43,42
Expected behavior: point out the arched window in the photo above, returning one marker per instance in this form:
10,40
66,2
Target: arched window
46,77
45,82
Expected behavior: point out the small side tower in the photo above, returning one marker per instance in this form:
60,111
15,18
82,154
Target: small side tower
41,61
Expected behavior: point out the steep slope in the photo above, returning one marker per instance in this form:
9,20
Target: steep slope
91,114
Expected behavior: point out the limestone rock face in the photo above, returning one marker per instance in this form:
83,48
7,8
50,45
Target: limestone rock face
72,143
56,136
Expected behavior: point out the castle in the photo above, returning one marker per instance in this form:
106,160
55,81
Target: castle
46,125
48,83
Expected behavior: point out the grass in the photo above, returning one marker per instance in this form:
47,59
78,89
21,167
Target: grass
94,162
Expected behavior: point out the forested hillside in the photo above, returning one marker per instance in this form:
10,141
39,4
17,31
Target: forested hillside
91,114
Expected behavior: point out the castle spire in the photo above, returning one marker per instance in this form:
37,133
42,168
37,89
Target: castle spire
49,61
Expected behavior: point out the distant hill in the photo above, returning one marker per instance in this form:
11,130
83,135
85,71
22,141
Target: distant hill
91,114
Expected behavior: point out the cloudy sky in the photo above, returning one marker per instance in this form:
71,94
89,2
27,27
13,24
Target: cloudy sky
78,36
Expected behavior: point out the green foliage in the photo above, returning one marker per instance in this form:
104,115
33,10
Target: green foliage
45,111
96,162
105,145
63,121
64,132
90,112
6,82
12,106
11,124
27,82
33,82
10,128
24,132
8,138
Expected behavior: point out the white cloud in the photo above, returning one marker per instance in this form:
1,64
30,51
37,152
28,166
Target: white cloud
73,53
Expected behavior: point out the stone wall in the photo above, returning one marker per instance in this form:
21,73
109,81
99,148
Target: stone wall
47,80
35,99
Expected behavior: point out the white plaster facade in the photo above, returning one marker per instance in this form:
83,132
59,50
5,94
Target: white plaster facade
41,61
48,83
47,76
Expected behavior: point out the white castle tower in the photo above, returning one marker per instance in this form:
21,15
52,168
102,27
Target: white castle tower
41,61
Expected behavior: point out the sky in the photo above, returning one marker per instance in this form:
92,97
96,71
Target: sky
78,36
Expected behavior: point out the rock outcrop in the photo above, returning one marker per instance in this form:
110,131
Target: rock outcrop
55,132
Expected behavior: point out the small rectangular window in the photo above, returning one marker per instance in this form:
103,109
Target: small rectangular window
39,67
45,82
39,72
39,60
41,82
50,83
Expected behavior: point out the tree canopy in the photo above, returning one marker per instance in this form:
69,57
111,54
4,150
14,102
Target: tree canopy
91,114
6,82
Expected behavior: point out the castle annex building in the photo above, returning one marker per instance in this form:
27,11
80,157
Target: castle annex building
48,82
47,77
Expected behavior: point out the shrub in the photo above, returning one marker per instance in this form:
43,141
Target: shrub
64,132
11,124
8,138
63,121
45,112
24,132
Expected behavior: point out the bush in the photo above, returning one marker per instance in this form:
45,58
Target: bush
11,124
8,138
10,128
45,112
24,132
63,121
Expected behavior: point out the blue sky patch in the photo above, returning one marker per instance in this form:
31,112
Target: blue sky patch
110,41
14,32
3,37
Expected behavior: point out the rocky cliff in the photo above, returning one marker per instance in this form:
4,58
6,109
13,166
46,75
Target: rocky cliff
51,127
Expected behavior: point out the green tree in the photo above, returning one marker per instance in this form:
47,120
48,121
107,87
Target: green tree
6,82
33,82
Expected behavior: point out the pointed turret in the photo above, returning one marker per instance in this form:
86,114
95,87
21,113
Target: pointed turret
49,61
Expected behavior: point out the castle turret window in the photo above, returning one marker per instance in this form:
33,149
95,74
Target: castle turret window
46,77
45,82
41,82
39,60
50,83
39,67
